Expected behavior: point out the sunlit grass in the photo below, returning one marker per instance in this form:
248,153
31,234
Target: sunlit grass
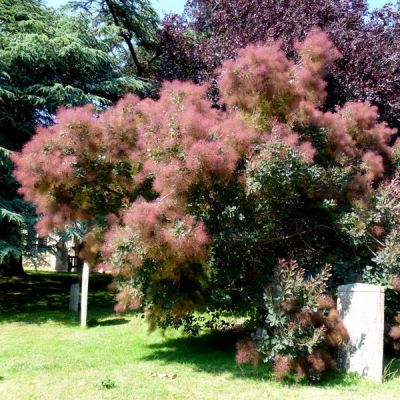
46,355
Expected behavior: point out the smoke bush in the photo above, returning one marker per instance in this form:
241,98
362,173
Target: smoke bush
191,206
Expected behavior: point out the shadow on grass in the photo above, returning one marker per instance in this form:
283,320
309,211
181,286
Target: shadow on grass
44,296
107,322
214,353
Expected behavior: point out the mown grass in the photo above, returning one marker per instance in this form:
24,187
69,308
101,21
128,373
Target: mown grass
44,354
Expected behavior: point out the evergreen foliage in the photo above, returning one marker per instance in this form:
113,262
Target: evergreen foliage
17,218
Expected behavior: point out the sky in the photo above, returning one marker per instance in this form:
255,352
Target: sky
166,6
176,6
378,3
162,6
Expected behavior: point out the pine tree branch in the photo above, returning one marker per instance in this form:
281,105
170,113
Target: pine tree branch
127,38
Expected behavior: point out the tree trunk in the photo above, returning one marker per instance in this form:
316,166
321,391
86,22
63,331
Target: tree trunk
59,259
127,38
12,268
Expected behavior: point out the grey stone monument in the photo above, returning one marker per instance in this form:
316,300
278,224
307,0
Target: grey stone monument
361,307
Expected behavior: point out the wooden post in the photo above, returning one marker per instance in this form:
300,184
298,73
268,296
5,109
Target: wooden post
84,295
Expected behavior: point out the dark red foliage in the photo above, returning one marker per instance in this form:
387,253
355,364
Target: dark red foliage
211,31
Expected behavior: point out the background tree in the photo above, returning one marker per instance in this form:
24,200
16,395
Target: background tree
135,22
211,31
47,60
17,219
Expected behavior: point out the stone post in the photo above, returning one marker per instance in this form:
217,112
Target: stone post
361,307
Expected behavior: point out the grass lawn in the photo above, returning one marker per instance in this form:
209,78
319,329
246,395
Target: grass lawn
44,354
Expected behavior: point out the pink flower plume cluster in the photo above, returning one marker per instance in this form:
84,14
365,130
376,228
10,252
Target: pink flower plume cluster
317,52
246,352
